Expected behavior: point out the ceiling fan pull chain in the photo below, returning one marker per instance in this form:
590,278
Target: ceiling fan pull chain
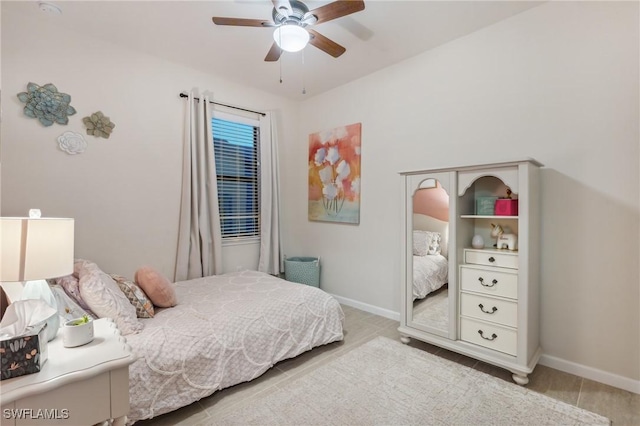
304,90
280,61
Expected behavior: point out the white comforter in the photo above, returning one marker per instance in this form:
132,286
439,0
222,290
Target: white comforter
225,330
429,274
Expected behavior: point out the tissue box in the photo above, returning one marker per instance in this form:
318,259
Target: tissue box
23,355
506,207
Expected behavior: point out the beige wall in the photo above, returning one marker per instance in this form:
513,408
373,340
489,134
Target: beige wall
124,192
558,83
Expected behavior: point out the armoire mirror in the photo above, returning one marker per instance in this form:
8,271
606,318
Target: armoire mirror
428,283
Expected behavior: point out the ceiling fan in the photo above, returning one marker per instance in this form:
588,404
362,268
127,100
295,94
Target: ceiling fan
292,20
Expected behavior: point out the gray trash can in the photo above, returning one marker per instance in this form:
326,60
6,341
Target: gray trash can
303,270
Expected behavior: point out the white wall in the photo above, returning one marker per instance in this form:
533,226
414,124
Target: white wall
558,83
124,192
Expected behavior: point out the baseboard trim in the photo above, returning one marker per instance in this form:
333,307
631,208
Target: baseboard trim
591,373
368,308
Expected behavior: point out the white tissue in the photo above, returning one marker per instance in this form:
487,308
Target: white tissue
40,290
22,316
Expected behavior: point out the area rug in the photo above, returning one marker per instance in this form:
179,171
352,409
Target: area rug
384,382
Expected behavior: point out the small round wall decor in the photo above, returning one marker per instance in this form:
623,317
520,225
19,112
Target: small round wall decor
46,104
98,125
72,143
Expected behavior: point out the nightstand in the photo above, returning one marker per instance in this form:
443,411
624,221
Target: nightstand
76,386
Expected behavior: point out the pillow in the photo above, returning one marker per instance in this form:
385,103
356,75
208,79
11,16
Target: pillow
105,298
158,288
67,307
421,242
139,300
426,242
71,285
434,245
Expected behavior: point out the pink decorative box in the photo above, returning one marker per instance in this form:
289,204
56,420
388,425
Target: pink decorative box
506,207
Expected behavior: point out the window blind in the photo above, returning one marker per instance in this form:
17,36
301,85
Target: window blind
237,162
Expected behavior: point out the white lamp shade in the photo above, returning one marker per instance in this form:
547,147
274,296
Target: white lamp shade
291,38
34,249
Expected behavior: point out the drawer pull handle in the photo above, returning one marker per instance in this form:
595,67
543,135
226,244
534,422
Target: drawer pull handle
494,336
493,282
493,310
492,259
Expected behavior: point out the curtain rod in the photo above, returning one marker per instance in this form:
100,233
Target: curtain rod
184,95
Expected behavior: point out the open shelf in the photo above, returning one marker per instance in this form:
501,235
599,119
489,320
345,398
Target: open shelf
475,216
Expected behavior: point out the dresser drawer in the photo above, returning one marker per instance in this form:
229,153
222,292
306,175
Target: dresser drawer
499,311
489,281
491,258
490,336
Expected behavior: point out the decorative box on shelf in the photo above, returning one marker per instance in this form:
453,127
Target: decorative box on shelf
485,206
506,207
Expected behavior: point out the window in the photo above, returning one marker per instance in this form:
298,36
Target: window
236,149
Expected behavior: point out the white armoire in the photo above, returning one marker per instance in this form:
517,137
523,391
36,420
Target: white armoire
489,307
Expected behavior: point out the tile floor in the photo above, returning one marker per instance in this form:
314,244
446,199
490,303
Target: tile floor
622,407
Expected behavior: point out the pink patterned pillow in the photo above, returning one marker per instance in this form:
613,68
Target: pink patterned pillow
71,286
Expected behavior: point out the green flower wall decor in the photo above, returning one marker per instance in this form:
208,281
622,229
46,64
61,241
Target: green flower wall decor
46,104
98,125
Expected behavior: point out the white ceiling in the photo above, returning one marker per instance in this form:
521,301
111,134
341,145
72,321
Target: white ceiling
386,32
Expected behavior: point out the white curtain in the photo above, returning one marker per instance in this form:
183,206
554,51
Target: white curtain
270,257
199,237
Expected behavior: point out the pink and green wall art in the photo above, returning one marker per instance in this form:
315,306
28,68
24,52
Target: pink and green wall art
334,174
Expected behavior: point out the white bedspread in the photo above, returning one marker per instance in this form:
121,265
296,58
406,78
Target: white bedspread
429,273
225,330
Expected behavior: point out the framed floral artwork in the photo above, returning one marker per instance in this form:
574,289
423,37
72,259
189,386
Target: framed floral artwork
334,174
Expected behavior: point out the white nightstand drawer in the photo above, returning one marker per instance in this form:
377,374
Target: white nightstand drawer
490,336
500,259
489,281
489,309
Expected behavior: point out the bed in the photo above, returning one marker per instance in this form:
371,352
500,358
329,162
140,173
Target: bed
224,330
430,271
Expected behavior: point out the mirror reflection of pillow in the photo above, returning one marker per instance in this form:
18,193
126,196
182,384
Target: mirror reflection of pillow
421,242
156,286
434,244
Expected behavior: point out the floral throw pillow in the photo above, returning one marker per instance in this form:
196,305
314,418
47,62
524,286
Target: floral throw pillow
137,297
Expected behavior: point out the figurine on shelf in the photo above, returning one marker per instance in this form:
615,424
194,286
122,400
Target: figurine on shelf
503,239
507,206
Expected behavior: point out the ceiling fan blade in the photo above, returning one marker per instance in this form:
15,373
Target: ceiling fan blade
325,44
240,22
274,53
283,6
337,9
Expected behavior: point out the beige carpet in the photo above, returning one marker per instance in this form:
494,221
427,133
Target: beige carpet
385,382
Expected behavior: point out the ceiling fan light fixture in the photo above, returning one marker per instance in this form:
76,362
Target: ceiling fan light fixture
291,37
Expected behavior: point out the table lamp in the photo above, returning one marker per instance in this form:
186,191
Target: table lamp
36,248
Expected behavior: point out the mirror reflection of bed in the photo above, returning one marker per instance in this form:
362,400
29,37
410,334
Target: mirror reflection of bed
430,249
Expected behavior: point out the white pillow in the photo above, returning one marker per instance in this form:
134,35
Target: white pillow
106,300
421,243
434,245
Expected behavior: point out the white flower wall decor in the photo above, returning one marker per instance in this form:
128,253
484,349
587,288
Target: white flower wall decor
72,143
